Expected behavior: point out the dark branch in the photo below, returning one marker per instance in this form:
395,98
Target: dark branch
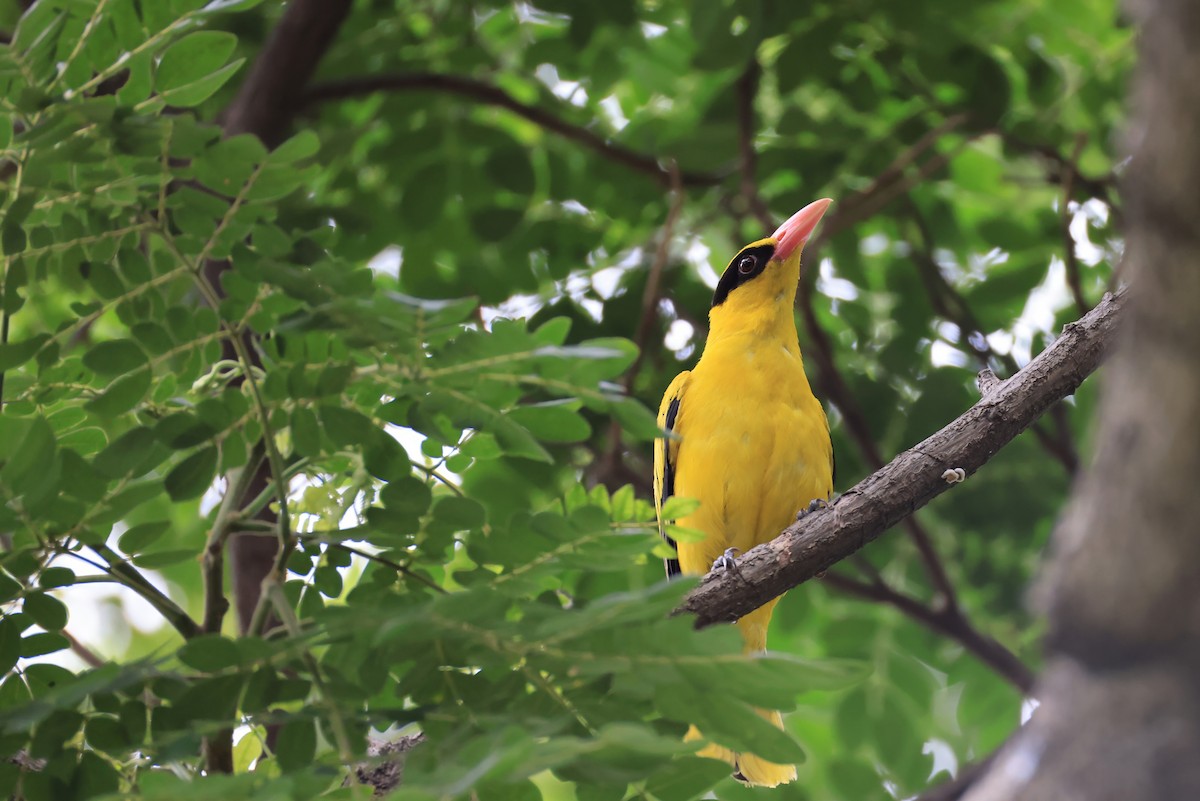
272,93
949,622
265,106
1070,258
948,302
1058,167
912,479
653,291
489,94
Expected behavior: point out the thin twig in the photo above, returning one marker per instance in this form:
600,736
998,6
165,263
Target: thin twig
132,578
484,92
948,302
653,291
610,466
947,622
1070,258
82,651
1101,187
215,602
383,560
745,93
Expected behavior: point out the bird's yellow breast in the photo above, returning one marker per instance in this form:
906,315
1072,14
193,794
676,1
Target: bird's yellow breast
755,446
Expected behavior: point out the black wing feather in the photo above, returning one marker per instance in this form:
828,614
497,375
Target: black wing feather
668,485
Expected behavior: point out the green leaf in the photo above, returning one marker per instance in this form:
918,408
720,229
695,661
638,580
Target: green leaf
296,745
160,559
140,537
301,146
12,239
247,750
115,357
194,67
191,477
14,354
42,644
209,653
678,506
124,453
122,395
30,461
459,513
95,777
346,427
56,577
685,778
10,643
553,421
106,733
46,610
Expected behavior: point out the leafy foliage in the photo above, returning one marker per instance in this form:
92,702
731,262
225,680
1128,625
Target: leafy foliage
415,315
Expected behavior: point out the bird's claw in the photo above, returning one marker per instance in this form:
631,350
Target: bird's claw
726,560
815,505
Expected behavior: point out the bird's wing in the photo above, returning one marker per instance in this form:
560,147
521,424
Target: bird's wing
666,457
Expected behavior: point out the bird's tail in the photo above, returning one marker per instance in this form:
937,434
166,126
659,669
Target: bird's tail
748,767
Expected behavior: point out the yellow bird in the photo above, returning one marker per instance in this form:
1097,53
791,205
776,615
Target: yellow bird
749,439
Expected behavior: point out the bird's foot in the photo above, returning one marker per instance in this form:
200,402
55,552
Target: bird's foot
815,505
726,560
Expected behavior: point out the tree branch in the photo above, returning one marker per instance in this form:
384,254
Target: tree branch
272,93
610,468
912,479
1060,167
265,106
950,304
489,94
1070,259
132,578
948,621
653,290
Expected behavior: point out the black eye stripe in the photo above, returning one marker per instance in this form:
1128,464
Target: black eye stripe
734,276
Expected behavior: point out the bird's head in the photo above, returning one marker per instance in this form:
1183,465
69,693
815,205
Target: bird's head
764,273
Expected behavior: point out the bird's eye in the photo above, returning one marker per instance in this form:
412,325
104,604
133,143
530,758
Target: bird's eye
747,264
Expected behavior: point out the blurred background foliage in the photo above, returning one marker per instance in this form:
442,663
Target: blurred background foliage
457,289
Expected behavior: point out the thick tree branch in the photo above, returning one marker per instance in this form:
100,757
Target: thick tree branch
1120,702
912,479
265,106
272,92
489,94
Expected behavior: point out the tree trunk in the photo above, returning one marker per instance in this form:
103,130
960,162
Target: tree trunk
1120,713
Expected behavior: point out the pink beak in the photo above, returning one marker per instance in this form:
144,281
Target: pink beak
798,228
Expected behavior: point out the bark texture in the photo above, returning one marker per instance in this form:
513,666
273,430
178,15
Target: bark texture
1120,713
